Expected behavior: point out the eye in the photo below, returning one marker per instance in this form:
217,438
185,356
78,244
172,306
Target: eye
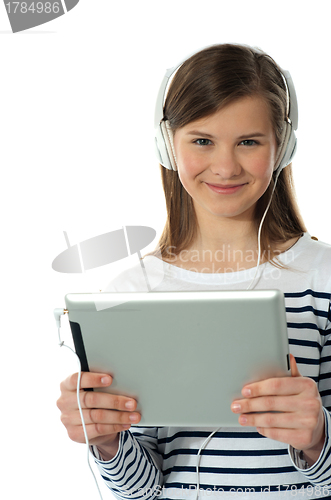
203,142
249,142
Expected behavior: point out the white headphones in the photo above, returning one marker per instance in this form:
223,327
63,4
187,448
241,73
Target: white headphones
164,137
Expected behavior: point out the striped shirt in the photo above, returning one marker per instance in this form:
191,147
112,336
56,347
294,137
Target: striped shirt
237,462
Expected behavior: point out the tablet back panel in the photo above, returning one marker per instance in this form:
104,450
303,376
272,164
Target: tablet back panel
184,356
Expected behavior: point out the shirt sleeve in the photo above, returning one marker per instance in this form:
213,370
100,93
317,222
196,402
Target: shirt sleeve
135,471
319,473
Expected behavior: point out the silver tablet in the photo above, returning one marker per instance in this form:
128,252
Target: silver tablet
184,356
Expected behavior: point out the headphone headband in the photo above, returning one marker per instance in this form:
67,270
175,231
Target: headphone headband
158,116
164,137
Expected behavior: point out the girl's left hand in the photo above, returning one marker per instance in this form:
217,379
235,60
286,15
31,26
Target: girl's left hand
300,421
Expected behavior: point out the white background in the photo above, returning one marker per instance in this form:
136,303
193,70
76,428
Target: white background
76,128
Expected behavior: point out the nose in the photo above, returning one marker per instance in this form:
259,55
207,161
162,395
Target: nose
225,162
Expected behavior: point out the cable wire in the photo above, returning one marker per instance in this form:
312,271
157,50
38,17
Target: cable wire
62,344
250,287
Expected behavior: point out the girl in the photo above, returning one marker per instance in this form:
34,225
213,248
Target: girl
225,139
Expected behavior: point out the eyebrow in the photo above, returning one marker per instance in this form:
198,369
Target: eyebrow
209,136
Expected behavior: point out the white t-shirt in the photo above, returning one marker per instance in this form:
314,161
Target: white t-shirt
237,462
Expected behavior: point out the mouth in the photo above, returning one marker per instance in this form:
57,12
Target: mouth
225,188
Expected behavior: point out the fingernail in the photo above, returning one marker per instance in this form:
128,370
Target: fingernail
134,417
129,405
243,420
246,392
236,407
105,380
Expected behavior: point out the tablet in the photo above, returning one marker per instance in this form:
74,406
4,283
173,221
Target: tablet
184,356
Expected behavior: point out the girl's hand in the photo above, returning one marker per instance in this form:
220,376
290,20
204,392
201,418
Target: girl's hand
105,415
300,421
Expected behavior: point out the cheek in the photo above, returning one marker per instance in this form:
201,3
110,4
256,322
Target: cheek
189,166
189,162
185,176
261,167
262,171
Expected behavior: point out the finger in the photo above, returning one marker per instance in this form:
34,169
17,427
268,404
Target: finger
92,399
288,436
294,367
276,420
269,403
281,386
88,381
100,416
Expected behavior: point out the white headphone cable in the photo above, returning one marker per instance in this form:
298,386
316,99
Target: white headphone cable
57,314
250,286
204,444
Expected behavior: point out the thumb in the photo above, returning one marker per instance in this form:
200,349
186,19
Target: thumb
294,367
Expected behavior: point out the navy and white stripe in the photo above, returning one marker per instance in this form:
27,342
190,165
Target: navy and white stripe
237,462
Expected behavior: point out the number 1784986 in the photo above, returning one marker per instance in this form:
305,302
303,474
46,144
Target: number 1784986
33,7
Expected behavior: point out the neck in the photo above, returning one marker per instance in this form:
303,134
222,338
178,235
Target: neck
223,244
235,236
215,233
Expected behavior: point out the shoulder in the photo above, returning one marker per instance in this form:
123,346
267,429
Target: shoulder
316,251
312,258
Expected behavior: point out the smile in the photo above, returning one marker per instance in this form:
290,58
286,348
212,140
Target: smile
224,189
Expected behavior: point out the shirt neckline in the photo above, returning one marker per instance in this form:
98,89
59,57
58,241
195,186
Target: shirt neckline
239,276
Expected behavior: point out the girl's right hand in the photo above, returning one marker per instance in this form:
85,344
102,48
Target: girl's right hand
105,415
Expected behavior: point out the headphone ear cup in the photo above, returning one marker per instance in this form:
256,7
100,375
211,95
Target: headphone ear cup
169,141
160,149
286,149
290,150
165,146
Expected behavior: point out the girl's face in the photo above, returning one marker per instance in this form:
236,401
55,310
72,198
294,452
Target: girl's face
225,161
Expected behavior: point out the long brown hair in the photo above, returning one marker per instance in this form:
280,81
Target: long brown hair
206,82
